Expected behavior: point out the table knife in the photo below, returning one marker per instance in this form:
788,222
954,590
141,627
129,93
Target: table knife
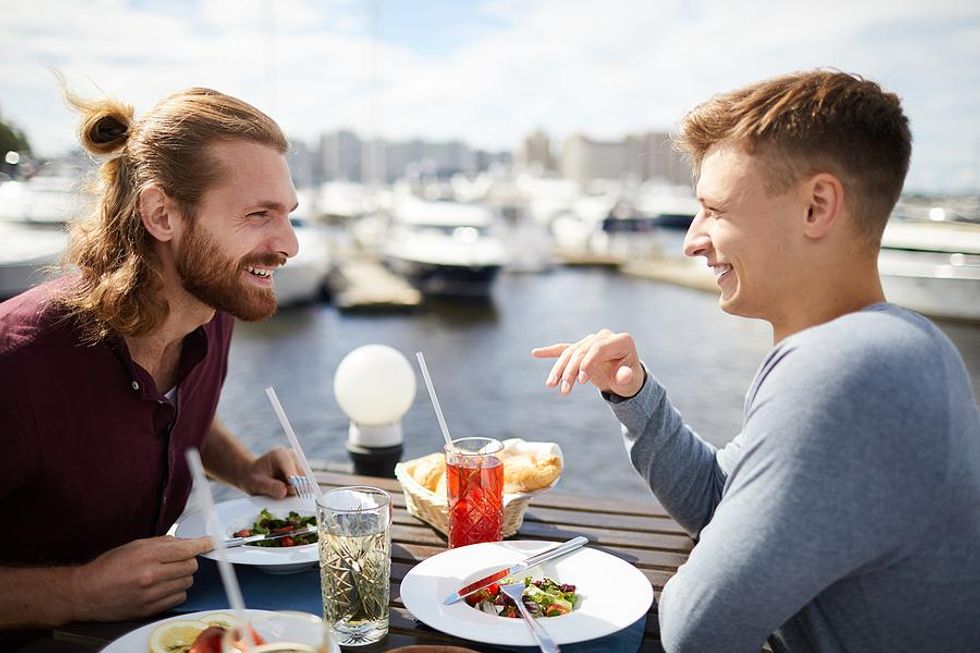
526,563
252,539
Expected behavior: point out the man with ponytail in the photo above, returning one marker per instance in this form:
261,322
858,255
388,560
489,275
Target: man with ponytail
111,372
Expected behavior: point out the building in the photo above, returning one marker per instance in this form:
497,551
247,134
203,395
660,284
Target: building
535,152
643,157
341,156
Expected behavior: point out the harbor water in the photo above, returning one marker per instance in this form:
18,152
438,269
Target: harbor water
487,381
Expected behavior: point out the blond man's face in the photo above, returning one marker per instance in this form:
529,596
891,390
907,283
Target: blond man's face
750,238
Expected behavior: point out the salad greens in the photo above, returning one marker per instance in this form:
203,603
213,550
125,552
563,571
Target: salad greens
543,598
269,524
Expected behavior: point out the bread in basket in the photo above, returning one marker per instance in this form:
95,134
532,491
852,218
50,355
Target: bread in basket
530,468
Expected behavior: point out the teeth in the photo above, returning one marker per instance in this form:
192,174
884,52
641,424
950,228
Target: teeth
720,269
259,272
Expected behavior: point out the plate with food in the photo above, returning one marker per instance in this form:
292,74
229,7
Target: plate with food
581,596
199,632
262,515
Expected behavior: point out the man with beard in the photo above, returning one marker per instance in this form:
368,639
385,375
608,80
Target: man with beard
111,372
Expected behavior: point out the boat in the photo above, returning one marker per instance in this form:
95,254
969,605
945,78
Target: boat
444,247
33,213
28,253
932,268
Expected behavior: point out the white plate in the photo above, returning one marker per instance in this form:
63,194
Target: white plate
138,640
242,513
614,594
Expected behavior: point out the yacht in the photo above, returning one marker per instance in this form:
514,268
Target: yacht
444,247
932,268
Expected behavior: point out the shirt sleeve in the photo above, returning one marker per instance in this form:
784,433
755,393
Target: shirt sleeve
678,465
802,508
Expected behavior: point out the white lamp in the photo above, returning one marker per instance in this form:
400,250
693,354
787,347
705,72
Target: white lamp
375,386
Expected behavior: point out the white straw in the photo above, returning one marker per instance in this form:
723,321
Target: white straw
304,463
435,400
213,525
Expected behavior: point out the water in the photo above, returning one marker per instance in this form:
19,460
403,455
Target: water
488,384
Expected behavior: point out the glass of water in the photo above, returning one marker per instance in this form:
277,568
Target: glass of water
355,562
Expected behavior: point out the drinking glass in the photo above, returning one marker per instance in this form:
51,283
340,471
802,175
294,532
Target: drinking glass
475,486
355,562
281,632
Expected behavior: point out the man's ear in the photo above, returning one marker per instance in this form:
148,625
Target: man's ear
824,204
156,212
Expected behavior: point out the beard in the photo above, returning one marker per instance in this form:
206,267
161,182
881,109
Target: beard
216,279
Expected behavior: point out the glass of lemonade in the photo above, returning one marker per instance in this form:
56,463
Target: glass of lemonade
281,632
475,486
355,562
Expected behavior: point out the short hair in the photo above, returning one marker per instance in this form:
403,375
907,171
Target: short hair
166,147
809,122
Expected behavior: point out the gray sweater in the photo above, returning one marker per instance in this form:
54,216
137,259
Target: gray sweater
846,514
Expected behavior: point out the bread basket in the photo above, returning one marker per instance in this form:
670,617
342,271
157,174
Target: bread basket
433,508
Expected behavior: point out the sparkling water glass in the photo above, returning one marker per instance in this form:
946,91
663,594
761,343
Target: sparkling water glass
355,562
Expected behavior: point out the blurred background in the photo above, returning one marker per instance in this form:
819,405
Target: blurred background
479,178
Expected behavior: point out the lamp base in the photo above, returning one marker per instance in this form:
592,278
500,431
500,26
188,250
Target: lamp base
375,461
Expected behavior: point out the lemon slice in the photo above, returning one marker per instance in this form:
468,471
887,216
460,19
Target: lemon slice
175,636
222,619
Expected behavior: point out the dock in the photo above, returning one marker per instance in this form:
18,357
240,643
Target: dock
363,283
681,272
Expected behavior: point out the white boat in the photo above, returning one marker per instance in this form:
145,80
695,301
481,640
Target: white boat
932,268
28,252
303,278
444,248
32,231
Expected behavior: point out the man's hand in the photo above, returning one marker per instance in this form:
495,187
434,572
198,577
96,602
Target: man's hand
137,579
269,473
609,360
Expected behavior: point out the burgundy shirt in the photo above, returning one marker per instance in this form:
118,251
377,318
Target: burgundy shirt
91,452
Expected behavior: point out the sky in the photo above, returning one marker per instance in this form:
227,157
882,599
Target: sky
489,72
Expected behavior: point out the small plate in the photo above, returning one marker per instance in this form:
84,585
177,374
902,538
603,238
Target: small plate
139,640
613,593
242,513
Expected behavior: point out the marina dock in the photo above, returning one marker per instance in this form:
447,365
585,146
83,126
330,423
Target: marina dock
363,283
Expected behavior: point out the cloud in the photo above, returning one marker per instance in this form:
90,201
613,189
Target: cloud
604,69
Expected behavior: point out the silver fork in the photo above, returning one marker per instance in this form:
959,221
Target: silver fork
516,591
304,488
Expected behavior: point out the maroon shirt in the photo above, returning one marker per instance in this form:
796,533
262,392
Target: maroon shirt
91,452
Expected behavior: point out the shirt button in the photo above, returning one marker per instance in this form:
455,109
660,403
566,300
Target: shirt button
136,385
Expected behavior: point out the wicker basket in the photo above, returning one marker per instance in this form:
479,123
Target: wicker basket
433,508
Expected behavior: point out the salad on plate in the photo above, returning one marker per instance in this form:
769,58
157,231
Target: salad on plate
269,524
545,597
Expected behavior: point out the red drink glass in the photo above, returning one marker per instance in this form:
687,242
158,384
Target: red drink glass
475,486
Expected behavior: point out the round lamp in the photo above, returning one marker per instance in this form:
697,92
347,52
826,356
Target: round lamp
375,386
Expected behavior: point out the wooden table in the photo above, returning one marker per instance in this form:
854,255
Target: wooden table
639,532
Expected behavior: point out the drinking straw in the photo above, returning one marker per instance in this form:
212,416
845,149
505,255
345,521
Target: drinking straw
213,526
304,463
435,400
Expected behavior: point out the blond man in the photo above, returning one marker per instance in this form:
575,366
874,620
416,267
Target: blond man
845,516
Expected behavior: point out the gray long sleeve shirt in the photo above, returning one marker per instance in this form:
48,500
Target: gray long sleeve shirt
846,514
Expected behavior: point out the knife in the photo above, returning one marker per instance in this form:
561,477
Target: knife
526,563
252,539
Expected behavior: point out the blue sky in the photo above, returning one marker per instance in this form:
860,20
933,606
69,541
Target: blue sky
489,72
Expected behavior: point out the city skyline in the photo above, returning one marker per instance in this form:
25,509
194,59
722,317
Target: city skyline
490,73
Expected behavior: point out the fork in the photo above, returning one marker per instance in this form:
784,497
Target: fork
516,592
303,487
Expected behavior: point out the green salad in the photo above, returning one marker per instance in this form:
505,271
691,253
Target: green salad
269,524
543,598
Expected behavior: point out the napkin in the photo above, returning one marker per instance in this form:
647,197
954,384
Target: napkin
262,591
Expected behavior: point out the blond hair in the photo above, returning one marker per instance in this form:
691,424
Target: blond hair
809,122
118,279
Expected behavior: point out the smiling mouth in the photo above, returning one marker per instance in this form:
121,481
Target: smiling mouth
262,273
720,270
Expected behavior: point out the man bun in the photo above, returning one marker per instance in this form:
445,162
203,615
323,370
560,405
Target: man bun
105,125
